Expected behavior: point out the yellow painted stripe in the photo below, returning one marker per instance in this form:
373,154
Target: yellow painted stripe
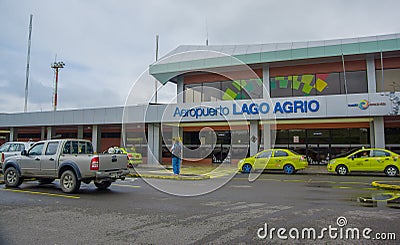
342,187
42,193
131,186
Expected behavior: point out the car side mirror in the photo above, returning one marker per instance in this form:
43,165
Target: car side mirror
352,157
24,153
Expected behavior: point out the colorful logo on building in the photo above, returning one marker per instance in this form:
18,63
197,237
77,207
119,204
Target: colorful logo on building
303,83
363,105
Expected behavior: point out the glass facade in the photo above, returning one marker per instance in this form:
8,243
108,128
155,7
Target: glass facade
320,145
391,78
392,136
223,90
318,84
280,86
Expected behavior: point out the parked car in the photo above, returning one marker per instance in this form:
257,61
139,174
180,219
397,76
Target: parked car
274,159
12,149
134,158
70,160
367,160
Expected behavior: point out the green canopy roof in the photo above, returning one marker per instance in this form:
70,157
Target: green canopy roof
196,58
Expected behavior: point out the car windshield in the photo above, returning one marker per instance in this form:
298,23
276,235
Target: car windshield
345,153
4,147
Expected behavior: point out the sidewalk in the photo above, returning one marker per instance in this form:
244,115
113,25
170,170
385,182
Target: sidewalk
201,172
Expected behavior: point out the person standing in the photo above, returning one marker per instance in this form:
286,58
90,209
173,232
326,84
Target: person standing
176,151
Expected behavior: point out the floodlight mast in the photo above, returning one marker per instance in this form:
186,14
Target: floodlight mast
56,66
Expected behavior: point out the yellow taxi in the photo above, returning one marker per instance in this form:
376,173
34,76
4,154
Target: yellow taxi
366,160
134,158
274,159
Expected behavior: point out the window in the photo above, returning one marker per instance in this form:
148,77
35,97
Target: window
20,147
280,153
36,149
378,153
193,93
4,147
265,154
365,153
356,82
14,147
318,84
212,91
78,147
52,148
391,79
224,90
327,84
280,86
392,135
67,147
85,148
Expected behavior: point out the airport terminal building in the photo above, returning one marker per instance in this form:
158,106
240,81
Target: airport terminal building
320,98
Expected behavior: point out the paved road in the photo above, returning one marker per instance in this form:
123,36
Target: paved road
132,212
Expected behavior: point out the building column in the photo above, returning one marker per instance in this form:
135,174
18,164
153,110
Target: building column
154,156
96,138
13,134
49,133
267,136
254,137
371,74
265,80
371,134
42,133
80,132
179,88
379,132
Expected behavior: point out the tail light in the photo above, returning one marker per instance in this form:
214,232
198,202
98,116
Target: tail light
303,158
129,156
2,157
94,163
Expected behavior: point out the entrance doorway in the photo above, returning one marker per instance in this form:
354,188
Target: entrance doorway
321,145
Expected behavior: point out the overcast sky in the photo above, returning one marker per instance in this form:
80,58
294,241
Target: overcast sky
106,44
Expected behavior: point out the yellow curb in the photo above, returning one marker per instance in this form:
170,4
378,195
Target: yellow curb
385,186
180,177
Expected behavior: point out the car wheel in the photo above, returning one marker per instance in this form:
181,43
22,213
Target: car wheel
45,181
130,165
102,185
11,178
341,170
69,182
246,168
288,169
391,171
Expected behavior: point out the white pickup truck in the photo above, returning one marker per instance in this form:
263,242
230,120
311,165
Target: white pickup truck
70,160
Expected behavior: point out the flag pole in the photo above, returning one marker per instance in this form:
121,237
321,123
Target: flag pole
27,63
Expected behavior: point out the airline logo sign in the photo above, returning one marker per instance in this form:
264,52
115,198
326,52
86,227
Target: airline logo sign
263,108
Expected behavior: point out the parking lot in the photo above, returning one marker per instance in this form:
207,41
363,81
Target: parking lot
132,211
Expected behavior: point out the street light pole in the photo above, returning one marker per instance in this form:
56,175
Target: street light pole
56,66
